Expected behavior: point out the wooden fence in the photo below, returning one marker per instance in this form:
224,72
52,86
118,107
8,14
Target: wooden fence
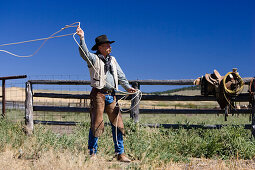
3,89
134,113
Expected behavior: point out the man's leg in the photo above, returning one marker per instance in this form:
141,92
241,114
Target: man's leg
96,115
92,143
115,118
117,140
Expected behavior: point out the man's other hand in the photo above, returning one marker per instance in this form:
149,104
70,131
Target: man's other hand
131,90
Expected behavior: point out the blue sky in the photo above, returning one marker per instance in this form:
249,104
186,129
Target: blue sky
174,39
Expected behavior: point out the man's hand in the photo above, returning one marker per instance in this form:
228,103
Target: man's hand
131,90
80,32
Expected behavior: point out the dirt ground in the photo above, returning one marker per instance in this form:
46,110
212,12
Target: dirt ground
11,160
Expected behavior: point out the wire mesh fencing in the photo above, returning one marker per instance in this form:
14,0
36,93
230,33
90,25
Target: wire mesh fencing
15,98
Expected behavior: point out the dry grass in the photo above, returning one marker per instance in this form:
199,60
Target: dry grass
11,159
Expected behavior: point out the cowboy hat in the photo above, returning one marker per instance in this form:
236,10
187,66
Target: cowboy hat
101,40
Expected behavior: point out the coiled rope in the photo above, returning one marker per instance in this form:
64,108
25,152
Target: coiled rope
237,90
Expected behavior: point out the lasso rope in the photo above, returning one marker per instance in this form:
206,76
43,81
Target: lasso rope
240,84
51,37
138,92
236,91
127,93
45,40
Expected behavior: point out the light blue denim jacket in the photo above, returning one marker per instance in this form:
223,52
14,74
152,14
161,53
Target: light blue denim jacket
109,77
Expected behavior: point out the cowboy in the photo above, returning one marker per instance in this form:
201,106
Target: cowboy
105,74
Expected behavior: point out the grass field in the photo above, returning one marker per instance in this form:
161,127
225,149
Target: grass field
61,147
149,148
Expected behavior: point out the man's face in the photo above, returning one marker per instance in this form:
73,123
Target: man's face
105,49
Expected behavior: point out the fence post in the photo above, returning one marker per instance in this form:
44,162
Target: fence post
253,115
29,109
3,98
134,113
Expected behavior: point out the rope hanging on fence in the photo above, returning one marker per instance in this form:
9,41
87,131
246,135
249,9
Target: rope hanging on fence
240,84
237,90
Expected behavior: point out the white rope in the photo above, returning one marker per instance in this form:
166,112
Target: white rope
51,37
127,93
138,92
45,40
124,97
21,42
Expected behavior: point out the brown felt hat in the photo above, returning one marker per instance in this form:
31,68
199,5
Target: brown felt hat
101,40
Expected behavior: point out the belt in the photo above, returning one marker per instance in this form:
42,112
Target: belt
104,91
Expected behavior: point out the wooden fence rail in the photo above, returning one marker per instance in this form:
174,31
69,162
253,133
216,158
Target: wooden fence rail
241,98
140,82
134,113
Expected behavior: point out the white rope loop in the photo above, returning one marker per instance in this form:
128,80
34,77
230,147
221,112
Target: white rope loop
75,24
45,40
126,93
138,92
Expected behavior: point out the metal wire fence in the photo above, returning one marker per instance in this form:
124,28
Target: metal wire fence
15,97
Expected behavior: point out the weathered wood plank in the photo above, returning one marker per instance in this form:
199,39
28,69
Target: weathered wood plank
61,82
178,126
144,111
175,82
3,98
241,98
191,111
252,102
60,109
64,96
13,77
56,123
134,112
141,82
167,126
29,110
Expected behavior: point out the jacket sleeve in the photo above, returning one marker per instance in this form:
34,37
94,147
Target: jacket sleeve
122,78
85,54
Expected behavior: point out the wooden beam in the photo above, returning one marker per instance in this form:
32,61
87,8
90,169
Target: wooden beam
60,109
13,77
134,112
241,98
252,102
191,111
29,110
64,96
167,126
141,82
144,111
3,98
55,123
178,126
61,82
